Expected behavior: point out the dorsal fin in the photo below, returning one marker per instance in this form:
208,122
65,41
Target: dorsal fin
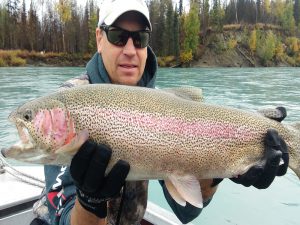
277,114
186,92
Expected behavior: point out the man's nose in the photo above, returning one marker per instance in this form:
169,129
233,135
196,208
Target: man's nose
129,48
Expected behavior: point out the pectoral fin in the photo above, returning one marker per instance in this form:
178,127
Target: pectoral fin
185,189
174,193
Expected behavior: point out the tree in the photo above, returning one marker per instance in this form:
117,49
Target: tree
258,11
3,24
41,3
279,50
292,44
33,26
217,15
176,35
11,28
93,21
63,8
169,29
52,26
252,41
23,28
297,12
192,30
266,47
231,15
73,31
180,9
266,10
287,19
161,27
205,16
284,15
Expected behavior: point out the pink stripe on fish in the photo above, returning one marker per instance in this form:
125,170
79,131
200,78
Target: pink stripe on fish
178,126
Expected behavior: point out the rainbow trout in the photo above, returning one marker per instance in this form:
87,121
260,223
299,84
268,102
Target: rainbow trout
162,134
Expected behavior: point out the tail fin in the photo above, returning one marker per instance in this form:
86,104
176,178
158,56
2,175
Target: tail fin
294,147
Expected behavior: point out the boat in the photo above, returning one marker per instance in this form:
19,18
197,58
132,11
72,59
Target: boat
21,187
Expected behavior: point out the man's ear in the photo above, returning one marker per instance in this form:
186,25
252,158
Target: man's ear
99,36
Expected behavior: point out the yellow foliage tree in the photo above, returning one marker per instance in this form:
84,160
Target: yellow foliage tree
63,8
267,6
293,45
186,57
279,50
252,41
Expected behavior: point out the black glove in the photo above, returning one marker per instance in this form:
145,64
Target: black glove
261,177
93,188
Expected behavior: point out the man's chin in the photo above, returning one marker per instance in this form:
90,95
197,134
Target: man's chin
130,80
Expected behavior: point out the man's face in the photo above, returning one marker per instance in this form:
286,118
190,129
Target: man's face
126,64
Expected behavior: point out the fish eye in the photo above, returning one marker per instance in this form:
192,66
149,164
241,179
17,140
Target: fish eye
28,115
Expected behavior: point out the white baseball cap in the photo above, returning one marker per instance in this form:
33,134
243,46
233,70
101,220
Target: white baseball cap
110,10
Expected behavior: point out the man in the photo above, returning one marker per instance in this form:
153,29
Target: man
83,194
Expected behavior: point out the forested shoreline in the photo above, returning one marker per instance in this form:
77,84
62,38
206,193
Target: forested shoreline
264,31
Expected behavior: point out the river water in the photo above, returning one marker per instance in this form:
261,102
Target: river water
246,88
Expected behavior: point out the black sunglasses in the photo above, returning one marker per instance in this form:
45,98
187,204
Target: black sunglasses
119,36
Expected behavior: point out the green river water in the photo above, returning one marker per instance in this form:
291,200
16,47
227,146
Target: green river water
246,88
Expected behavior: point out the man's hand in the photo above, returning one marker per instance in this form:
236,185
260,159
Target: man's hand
93,188
261,177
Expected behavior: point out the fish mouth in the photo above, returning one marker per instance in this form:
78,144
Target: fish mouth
25,136
25,149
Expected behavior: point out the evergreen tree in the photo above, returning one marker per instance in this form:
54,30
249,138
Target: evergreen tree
297,12
41,4
180,9
258,11
93,22
162,38
154,7
192,30
217,15
23,28
3,22
176,34
205,16
231,13
33,26
72,30
11,28
169,30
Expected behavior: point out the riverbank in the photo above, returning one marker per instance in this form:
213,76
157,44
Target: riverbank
209,58
10,58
